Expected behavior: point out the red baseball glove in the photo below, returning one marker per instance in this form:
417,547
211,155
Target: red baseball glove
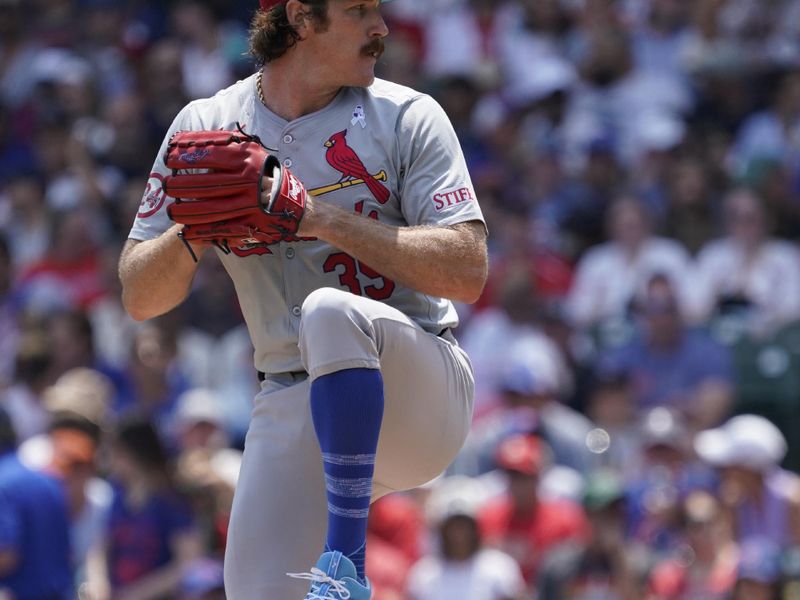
222,204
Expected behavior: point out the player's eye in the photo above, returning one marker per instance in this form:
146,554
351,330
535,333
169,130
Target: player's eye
359,9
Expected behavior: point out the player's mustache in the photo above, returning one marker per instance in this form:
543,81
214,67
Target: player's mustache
375,46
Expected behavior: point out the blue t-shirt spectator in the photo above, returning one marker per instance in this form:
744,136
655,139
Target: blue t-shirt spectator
670,376
34,526
140,537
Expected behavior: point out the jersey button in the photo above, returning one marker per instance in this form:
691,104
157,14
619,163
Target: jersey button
287,162
288,139
296,310
290,253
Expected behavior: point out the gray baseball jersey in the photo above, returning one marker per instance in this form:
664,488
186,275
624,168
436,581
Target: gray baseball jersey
387,152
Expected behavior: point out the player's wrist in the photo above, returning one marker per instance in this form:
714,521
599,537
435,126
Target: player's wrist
312,224
198,247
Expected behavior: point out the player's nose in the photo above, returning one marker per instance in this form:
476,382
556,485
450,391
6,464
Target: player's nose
378,27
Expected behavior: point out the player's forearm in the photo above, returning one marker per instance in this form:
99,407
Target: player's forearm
156,275
450,262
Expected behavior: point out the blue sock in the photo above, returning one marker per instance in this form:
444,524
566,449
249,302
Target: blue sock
347,409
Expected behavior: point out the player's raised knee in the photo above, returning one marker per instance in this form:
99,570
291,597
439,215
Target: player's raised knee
325,301
328,310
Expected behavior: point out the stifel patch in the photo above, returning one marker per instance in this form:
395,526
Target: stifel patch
452,197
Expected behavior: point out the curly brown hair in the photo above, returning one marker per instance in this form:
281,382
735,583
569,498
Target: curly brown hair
271,34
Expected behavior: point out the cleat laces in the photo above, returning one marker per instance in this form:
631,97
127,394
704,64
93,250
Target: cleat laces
319,579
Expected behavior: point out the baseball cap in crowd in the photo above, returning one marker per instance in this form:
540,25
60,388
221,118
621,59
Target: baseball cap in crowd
198,405
530,369
83,392
749,441
268,4
664,427
521,453
520,379
455,495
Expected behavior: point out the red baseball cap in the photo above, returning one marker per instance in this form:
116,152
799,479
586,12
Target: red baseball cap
521,453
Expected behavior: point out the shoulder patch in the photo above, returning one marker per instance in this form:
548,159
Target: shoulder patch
154,196
448,198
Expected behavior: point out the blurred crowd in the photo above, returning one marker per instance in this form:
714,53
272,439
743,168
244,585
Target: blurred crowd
637,347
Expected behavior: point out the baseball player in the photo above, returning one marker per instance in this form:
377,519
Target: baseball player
342,209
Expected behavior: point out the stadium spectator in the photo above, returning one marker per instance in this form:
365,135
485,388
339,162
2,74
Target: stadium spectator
692,211
155,379
609,565
462,567
151,536
522,523
772,133
68,275
113,329
531,390
762,499
77,407
463,40
22,400
712,572
34,528
611,407
671,365
75,443
610,275
748,271
206,57
214,349
493,332
27,224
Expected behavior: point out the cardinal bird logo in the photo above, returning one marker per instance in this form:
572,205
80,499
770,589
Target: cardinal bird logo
344,159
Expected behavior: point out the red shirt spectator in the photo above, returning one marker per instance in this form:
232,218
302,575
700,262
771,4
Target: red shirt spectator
521,523
70,274
527,536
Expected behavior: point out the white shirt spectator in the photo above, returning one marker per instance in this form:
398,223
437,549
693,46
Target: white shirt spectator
769,278
455,44
748,264
488,575
607,278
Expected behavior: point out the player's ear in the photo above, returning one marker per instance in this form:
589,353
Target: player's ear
298,16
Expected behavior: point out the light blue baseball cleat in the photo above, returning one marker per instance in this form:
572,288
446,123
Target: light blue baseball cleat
334,578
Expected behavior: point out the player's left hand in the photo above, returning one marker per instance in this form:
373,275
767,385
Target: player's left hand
217,178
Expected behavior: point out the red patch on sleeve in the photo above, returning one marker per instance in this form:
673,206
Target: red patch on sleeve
154,196
448,198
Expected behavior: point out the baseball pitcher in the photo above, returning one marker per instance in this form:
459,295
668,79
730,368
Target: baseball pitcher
341,207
